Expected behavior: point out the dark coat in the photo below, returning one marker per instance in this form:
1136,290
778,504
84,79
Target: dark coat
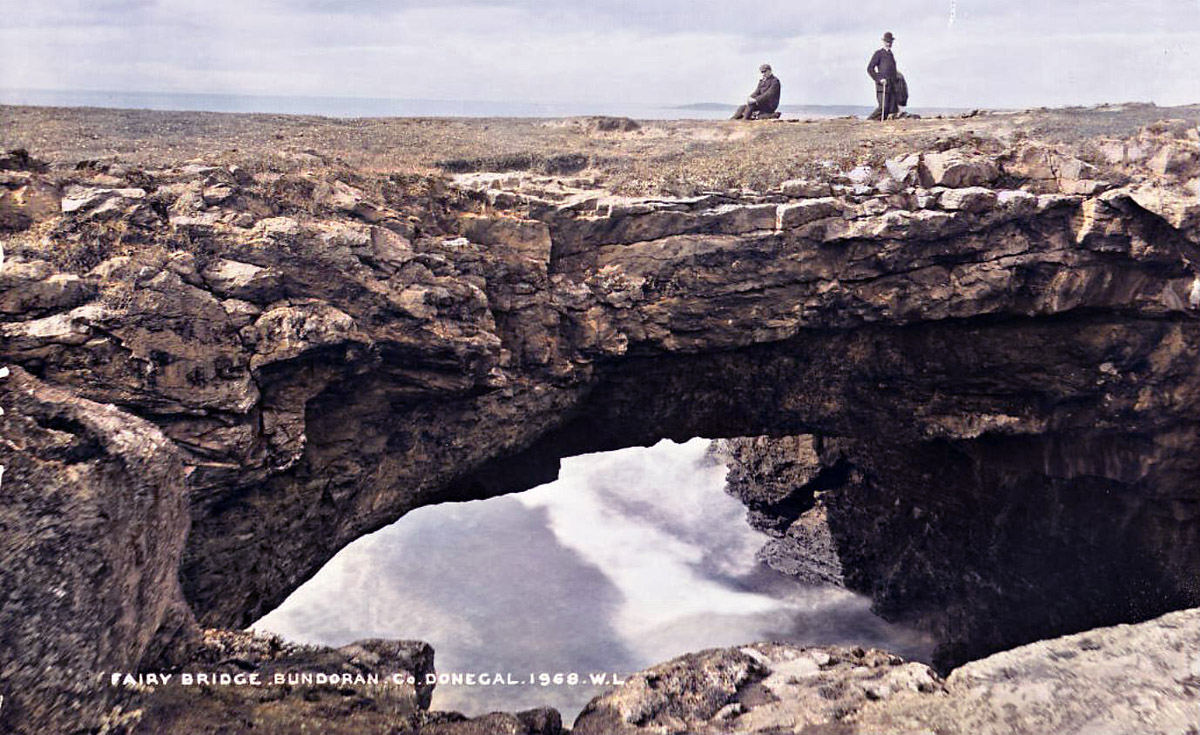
766,94
882,66
901,90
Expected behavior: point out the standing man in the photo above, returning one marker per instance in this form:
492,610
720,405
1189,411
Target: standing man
882,68
763,100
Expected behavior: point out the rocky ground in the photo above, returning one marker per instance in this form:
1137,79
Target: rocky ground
253,349
1142,678
677,157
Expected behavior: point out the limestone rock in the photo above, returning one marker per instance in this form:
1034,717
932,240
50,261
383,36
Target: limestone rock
968,199
352,705
1111,680
769,477
1175,159
1180,209
807,210
543,721
530,237
1019,202
1127,678
759,688
217,194
343,197
245,281
905,169
957,168
23,205
807,551
95,515
286,332
1048,170
860,176
322,373
99,200
34,289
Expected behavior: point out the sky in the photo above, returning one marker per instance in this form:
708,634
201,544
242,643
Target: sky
954,53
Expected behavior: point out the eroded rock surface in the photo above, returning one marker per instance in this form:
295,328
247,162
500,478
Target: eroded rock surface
987,542
389,703
758,688
1134,678
328,349
92,527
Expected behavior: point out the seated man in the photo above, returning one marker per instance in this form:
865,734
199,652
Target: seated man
763,100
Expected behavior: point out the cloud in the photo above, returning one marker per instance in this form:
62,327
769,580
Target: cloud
1016,53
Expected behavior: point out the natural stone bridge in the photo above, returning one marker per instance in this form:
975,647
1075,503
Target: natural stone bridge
988,341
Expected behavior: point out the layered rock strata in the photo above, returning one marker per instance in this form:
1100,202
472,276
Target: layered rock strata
326,350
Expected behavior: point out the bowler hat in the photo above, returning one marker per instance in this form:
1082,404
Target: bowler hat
889,37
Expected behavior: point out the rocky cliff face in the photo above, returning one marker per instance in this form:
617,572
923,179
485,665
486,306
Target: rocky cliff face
325,350
988,542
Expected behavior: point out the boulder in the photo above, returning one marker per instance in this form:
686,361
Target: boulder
389,250
956,168
25,205
288,331
1180,209
28,289
802,212
905,169
217,194
759,688
245,281
1128,678
1176,159
1048,170
100,200
341,196
95,514
529,237
1018,202
969,199
860,176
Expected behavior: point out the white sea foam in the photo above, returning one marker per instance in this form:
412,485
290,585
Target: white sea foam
630,558
649,519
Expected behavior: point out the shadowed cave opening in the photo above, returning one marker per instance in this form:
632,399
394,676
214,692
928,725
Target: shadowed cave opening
628,559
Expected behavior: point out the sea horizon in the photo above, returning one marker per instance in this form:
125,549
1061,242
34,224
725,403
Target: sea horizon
375,107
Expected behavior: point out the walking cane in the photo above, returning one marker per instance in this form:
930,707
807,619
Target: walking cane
883,105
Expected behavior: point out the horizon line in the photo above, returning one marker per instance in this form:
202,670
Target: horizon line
699,106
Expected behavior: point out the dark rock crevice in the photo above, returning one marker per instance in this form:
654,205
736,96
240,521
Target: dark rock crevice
998,541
